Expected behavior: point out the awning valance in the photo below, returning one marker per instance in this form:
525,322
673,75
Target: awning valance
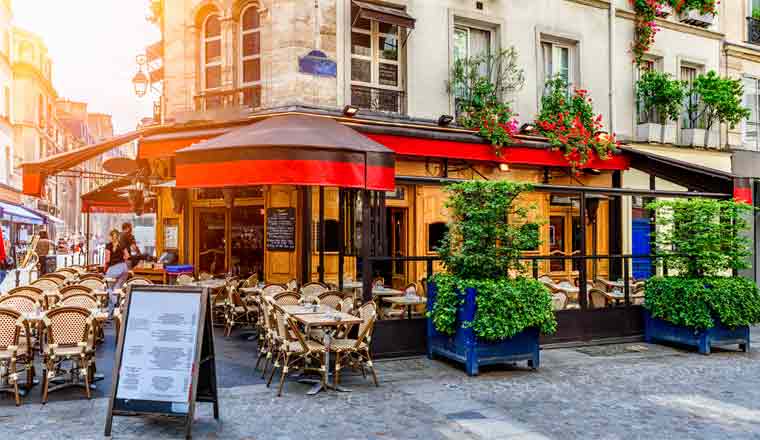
292,150
385,14
106,200
167,144
17,214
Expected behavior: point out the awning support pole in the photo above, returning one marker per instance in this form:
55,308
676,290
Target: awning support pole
321,234
366,264
341,238
306,228
87,237
582,278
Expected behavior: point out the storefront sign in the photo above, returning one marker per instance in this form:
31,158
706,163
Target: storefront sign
281,229
165,356
171,235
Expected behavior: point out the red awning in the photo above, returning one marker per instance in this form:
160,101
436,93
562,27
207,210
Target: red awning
291,149
167,144
513,154
107,200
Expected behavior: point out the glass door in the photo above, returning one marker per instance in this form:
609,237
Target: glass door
247,241
211,240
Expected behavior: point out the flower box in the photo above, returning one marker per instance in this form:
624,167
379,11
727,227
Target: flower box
656,329
654,133
465,347
696,18
695,137
664,11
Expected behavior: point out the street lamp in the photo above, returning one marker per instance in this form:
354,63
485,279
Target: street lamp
141,82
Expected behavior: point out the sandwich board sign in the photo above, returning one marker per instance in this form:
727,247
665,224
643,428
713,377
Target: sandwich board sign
165,355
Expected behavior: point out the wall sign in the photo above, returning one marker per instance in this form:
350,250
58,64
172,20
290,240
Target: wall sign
281,229
317,63
165,355
171,234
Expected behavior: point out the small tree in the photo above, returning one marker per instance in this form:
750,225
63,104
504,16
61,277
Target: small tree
660,92
704,236
720,100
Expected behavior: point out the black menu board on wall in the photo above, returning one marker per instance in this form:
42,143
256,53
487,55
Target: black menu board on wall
281,229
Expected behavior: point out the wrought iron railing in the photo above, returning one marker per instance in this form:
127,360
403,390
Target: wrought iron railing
753,30
378,100
246,97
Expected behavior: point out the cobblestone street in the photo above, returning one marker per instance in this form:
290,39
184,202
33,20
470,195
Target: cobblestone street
621,391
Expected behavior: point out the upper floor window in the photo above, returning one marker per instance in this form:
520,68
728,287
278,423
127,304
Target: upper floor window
558,59
470,42
376,64
750,138
651,116
689,117
753,21
211,53
250,56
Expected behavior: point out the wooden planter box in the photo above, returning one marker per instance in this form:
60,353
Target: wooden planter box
656,329
465,347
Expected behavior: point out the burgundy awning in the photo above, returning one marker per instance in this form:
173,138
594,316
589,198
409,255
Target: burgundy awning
294,149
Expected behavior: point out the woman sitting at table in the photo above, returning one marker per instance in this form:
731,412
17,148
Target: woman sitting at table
116,263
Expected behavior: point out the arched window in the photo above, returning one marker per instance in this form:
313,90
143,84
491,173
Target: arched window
211,53
250,56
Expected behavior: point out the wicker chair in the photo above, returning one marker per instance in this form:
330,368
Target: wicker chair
68,338
238,313
76,288
184,279
138,281
56,277
287,298
203,276
27,290
295,349
268,341
331,298
83,300
346,305
559,300
93,283
20,302
92,276
598,298
292,284
273,289
313,289
251,281
45,284
356,351
15,349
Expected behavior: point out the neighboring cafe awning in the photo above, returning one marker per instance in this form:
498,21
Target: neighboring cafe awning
290,150
384,14
17,214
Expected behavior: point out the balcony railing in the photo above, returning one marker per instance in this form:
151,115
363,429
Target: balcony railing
378,100
248,97
753,30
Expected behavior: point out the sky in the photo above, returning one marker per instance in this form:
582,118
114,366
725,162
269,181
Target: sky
93,44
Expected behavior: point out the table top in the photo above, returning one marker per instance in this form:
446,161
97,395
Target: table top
306,310
327,319
406,300
213,283
352,284
386,291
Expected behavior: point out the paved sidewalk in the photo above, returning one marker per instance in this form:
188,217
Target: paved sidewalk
627,391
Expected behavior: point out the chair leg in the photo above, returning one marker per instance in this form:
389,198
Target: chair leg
283,374
337,369
12,373
49,367
83,362
371,367
274,370
324,368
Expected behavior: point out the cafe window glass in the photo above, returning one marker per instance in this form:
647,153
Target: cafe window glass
250,56
211,53
436,233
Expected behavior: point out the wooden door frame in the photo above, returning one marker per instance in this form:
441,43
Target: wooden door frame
196,232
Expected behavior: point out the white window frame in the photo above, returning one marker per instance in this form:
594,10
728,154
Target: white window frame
656,66
572,51
241,56
698,69
204,64
756,123
375,59
467,26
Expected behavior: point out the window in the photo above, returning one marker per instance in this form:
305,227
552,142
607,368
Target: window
752,123
691,102
651,116
436,232
211,53
250,56
470,42
558,60
332,244
376,82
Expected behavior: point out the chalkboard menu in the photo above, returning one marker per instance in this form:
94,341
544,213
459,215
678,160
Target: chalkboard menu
281,229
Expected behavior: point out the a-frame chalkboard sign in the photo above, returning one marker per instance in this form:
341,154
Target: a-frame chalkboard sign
164,355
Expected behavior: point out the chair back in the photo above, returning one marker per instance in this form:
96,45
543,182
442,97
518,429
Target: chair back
138,281
559,300
273,289
92,283
251,281
203,276
312,289
292,284
76,288
598,298
19,302
280,322
378,281
45,284
67,326
92,276
346,305
287,298
27,290
83,300
368,314
411,289
184,279
80,270
331,298
565,284
11,325
56,277
233,296
68,272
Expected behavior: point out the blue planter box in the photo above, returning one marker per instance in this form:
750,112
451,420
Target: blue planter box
656,329
465,347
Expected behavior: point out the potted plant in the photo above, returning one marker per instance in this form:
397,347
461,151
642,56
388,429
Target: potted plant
703,305
716,99
661,99
696,12
481,311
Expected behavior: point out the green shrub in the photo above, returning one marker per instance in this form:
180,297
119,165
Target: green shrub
699,303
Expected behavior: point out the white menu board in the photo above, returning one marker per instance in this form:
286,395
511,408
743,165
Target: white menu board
159,347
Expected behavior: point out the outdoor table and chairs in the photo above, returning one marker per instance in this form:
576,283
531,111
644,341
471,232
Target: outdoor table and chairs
408,301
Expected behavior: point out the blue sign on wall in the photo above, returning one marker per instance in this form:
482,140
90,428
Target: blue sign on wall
317,63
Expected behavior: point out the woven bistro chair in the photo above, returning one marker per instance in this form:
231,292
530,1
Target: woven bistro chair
69,272
251,281
184,279
292,284
331,298
27,290
356,351
268,341
559,300
75,288
68,339
58,278
138,281
273,289
15,349
287,298
92,276
238,313
313,289
295,349
203,276
20,302
45,284
598,298
93,283
80,270
83,300
346,305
